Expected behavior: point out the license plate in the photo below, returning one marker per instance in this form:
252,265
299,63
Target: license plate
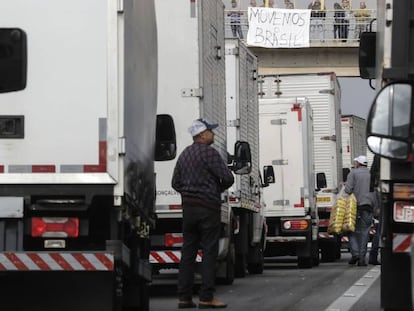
403,212
323,199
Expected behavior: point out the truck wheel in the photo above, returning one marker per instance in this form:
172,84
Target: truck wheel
240,266
229,268
255,258
305,262
328,252
256,266
315,254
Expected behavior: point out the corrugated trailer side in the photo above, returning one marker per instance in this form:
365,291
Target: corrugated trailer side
242,111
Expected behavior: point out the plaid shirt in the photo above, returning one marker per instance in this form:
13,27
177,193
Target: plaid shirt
201,174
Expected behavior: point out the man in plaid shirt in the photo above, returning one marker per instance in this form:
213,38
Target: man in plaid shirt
200,176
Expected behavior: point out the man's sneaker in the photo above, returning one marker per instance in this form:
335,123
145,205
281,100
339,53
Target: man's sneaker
212,304
353,260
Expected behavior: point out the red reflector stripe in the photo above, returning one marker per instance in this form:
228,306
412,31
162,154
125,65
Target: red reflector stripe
61,262
43,261
39,261
157,257
301,204
16,262
1,168
43,169
101,167
84,262
324,222
174,207
105,261
172,256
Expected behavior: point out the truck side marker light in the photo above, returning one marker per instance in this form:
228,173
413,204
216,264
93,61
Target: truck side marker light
295,224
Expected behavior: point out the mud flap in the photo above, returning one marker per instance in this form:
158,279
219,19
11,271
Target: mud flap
52,290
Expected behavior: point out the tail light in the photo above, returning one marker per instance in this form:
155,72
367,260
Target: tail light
52,227
173,239
300,224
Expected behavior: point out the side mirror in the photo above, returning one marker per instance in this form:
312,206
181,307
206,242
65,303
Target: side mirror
242,158
13,59
389,122
165,139
268,175
345,172
321,180
367,55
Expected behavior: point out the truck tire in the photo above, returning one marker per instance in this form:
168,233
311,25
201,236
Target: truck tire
305,262
315,253
255,259
240,266
229,268
329,251
256,266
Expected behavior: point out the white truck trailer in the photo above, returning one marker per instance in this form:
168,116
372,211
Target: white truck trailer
245,196
286,145
77,137
198,92
353,141
324,95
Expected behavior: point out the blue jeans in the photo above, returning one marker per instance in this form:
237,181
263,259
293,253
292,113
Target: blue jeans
358,240
201,229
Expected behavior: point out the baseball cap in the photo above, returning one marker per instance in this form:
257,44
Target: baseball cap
361,160
201,125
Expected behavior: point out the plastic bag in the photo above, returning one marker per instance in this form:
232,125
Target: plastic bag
343,214
349,222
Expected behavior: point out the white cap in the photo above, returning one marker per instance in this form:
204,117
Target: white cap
201,125
362,160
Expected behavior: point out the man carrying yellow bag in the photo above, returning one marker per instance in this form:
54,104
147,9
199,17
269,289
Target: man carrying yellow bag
357,183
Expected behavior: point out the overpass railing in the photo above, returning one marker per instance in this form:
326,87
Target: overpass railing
323,31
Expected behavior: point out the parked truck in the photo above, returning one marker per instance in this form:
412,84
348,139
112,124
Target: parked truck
286,148
387,57
198,92
324,95
77,136
353,141
245,196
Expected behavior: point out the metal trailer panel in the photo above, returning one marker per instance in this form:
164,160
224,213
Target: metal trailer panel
323,93
81,108
67,90
286,142
353,139
191,77
242,109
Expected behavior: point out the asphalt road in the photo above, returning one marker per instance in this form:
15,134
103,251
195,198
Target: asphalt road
333,286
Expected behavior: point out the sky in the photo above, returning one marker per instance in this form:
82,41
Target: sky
356,96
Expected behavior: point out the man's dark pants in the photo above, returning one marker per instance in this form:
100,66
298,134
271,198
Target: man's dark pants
201,227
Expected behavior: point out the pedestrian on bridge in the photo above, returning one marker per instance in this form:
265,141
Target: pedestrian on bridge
361,20
318,14
200,176
235,20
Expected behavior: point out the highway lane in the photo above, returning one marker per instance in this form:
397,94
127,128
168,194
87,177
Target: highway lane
333,286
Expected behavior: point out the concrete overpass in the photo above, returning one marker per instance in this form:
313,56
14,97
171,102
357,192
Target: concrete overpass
339,57
325,55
